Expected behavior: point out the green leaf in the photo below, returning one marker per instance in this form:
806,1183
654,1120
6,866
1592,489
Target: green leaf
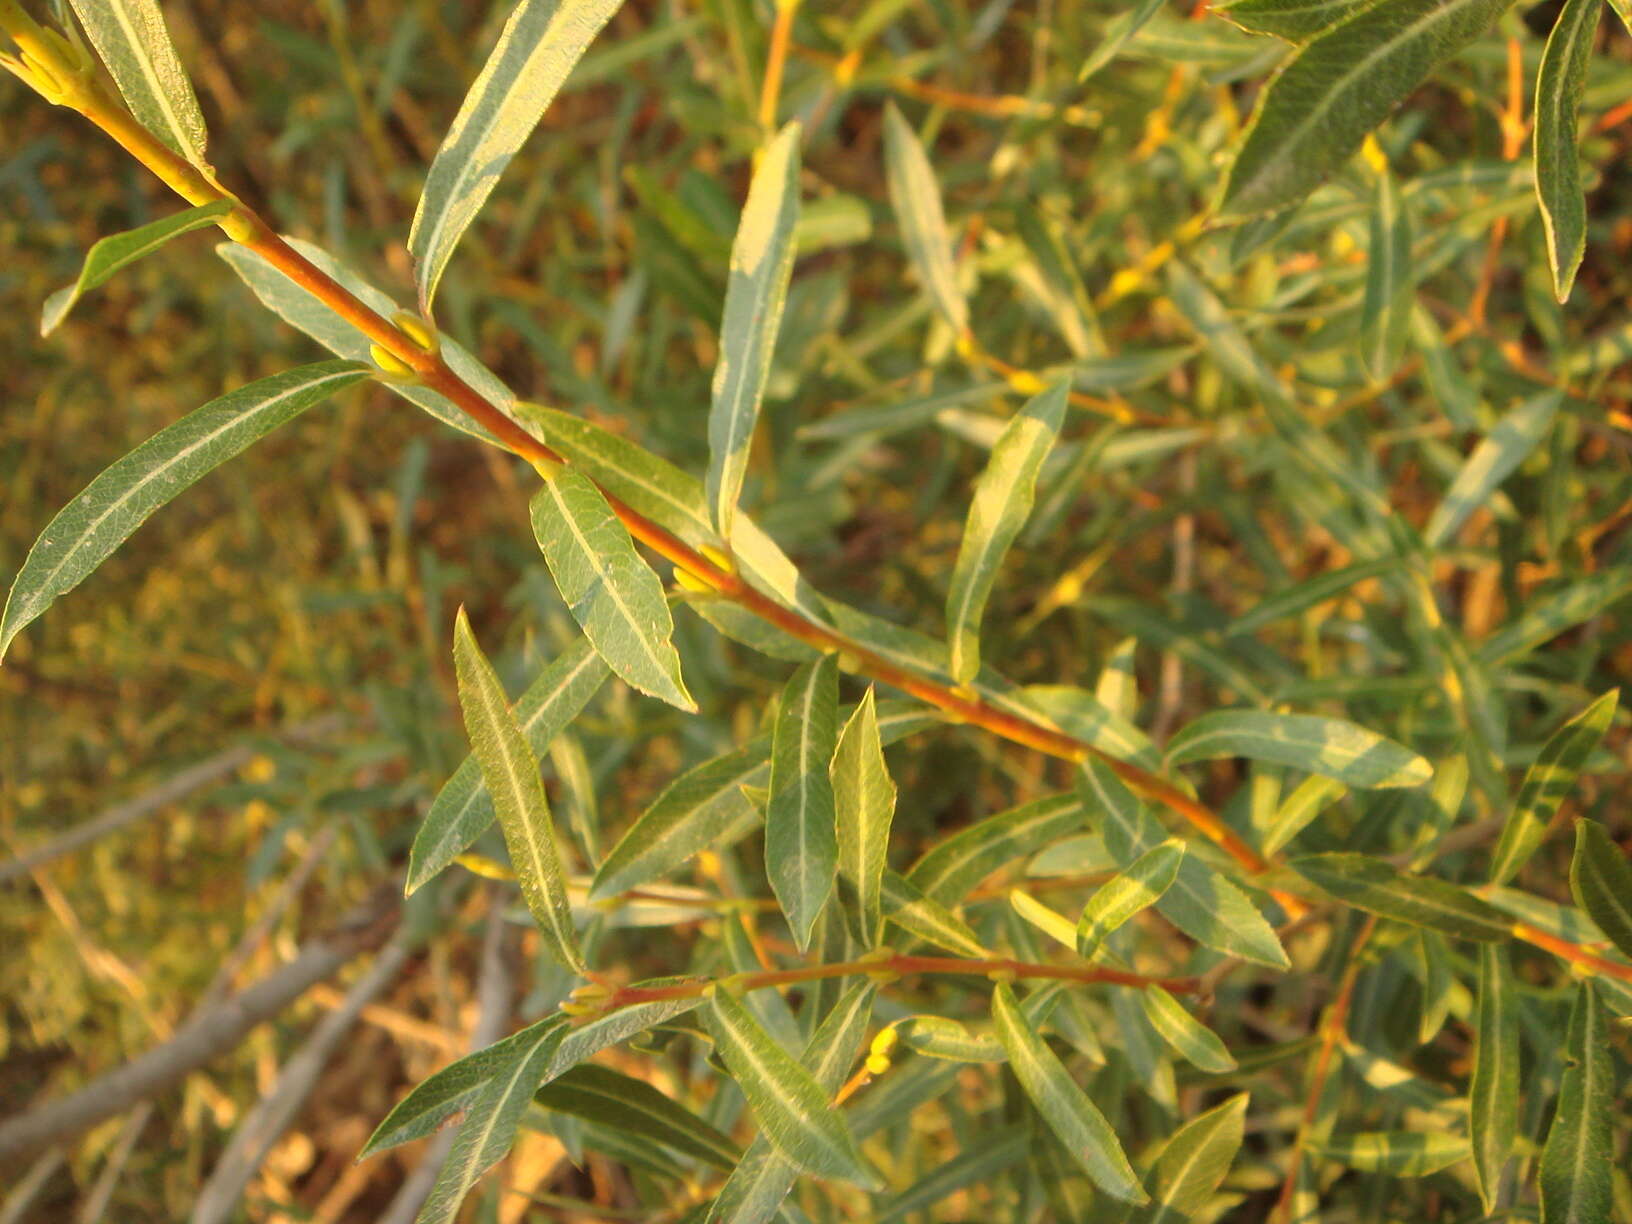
133,41
1003,497
1397,1153
756,1188
690,814
1216,328
1492,461
1311,797
1115,36
1050,922
1190,1038
89,528
1314,115
916,198
1194,1161
1493,1098
1560,82
864,799
787,1102
491,1120
916,914
1200,901
462,809
613,593
1601,882
1082,714
1073,1118
1326,746
1552,615
761,262
1126,893
948,871
801,838
610,1098
538,47
1376,887
1385,311
1306,594
117,251
1578,1159
1546,784
1293,20
511,772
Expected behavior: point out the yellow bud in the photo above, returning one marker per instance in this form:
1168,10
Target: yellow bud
877,1064
392,367
417,330
1374,155
721,559
1026,383
685,578
885,1041
549,469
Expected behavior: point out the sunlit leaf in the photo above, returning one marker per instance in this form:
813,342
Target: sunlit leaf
133,41
948,871
1373,885
1002,500
1577,1161
761,262
912,911
538,47
1294,20
88,529
1493,461
916,198
1073,1118
789,1105
1312,117
1547,783
511,772
1118,899
1326,746
801,839
1398,1153
118,251
1560,83
1190,1038
864,799
1193,1162
612,592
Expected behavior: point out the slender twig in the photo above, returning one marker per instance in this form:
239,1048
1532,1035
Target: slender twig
86,96
203,1038
776,59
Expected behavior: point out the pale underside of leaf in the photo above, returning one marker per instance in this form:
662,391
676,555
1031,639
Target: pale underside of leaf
133,41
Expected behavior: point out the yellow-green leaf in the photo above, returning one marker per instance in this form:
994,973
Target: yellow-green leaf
133,41
916,198
1137,887
1601,882
801,837
1330,747
864,799
1560,83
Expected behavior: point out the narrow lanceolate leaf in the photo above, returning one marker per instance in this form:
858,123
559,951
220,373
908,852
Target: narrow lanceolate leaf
949,870
1293,20
1493,461
1385,311
1126,893
801,838
1493,1098
690,814
1560,83
908,908
1577,1161
1547,782
1326,746
462,809
88,529
511,772
613,593
536,50
1118,31
1073,1118
491,1121
1375,886
1194,1161
916,198
789,1105
1190,1038
1313,794
864,800
1003,498
1314,115
131,38
761,262
1200,901
1397,1153
120,250
610,1098
756,1188
1601,882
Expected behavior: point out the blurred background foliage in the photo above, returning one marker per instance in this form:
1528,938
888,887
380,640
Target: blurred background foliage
319,574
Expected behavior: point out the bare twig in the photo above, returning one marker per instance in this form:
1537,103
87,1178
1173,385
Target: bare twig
265,1123
203,1037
